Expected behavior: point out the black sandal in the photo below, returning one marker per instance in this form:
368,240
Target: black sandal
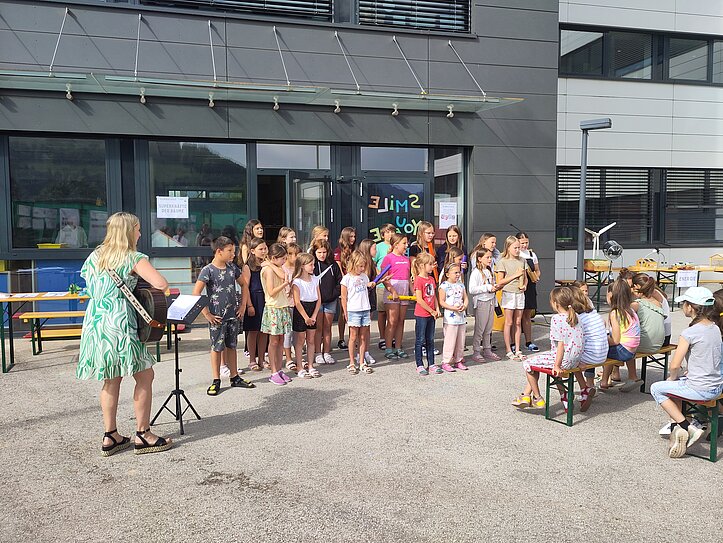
159,446
110,450
215,388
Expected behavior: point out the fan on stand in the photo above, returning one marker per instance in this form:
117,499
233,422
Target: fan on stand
612,250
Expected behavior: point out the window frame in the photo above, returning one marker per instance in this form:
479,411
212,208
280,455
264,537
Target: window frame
113,195
660,55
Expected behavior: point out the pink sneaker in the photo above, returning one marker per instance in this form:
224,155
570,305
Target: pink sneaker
448,368
460,366
285,377
277,379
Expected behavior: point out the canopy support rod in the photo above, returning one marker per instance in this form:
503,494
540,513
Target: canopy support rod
409,65
57,43
213,57
484,94
138,45
338,39
283,64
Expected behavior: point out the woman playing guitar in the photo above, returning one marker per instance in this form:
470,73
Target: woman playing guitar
109,344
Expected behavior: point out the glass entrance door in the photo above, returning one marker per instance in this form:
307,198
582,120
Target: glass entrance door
403,202
311,195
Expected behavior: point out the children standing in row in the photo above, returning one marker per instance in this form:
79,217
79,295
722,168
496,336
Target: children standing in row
330,286
276,320
399,273
482,288
256,341
382,249
307,304
425,313
453,298
356,308
512,277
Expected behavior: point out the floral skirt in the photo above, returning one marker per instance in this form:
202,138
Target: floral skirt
276,321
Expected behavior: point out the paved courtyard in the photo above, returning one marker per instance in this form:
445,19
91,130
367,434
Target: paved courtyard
385,457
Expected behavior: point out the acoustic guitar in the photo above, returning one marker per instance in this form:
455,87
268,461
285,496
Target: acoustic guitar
150,305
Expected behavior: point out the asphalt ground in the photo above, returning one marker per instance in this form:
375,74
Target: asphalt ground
391,456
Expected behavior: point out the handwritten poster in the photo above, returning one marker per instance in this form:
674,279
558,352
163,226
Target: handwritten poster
686,278
399,204
172,207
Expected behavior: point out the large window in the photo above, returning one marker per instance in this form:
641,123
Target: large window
198,192
449,191
394,159
616,54
619,195
649,205
444,15
307,9
58,192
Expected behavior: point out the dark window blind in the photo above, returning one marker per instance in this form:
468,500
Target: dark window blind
446,15
693,205
308,9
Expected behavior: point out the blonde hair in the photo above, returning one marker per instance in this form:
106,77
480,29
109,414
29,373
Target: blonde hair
365,247
317,231
420,261
120,240
564,298
508,243
478,257
302,260
283,234
356,258
422,227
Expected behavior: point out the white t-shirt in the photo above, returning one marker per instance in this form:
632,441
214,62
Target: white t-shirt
357,295
307,289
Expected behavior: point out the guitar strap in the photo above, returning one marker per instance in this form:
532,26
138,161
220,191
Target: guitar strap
134,301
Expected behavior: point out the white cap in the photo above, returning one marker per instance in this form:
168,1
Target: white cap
696,295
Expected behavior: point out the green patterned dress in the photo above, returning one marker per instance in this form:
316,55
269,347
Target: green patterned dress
109,345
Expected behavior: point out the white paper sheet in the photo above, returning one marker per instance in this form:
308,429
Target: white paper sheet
181,306
26,295
54,294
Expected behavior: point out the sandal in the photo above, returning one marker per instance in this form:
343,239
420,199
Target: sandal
351,368
522,401
267,366
291,365
110,450
255,367
303,374
314,372
366,369
215,388
160,445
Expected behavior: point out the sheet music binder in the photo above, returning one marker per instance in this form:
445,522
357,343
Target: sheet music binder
185,308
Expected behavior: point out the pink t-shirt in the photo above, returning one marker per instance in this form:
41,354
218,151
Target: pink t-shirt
630,334
426,285
400,269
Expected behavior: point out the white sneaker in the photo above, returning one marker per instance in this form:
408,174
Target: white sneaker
328,359
319,359
369,359
665,430
678,442
225,372
695,432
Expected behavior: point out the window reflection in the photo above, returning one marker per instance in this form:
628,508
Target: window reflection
58,192
304,157
581,52
210,180
632,55
688,59
394,159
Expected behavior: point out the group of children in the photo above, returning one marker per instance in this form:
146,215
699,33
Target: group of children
282,296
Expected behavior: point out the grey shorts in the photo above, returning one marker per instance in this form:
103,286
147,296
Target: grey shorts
224,335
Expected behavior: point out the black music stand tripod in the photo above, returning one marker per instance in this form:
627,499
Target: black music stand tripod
177,394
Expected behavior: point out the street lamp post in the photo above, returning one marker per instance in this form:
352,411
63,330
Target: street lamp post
585,126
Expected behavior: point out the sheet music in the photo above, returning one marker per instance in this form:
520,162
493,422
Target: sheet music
180,307
54,294
26,295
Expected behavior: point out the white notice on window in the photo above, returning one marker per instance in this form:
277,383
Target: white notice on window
447,214
686,278
172,207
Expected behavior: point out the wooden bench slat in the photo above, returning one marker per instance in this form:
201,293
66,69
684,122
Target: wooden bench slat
50,315
60,333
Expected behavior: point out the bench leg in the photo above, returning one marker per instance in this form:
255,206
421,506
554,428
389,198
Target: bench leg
547,397
158,351
714,434
644,373
570,398
40,338
32,336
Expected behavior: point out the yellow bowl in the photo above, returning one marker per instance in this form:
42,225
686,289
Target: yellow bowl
51,245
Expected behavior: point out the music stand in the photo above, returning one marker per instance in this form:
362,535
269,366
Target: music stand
183,310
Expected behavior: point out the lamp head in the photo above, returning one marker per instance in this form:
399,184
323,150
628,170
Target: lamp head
596,124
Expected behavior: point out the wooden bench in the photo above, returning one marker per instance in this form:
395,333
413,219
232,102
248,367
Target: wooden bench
660,358
708,411
566,379
38,318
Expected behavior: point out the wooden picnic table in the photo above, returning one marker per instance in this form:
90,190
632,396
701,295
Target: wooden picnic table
6,315
38,318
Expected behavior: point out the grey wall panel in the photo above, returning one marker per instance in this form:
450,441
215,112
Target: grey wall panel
511,189
536,218
539,5
513,161
495,80
533,106
516,23
255,121
495,51
470,129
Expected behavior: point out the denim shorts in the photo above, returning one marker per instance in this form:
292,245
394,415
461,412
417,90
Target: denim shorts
661,389
618,352
359,318
329,307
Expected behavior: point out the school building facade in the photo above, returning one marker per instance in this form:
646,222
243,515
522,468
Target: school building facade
198,116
